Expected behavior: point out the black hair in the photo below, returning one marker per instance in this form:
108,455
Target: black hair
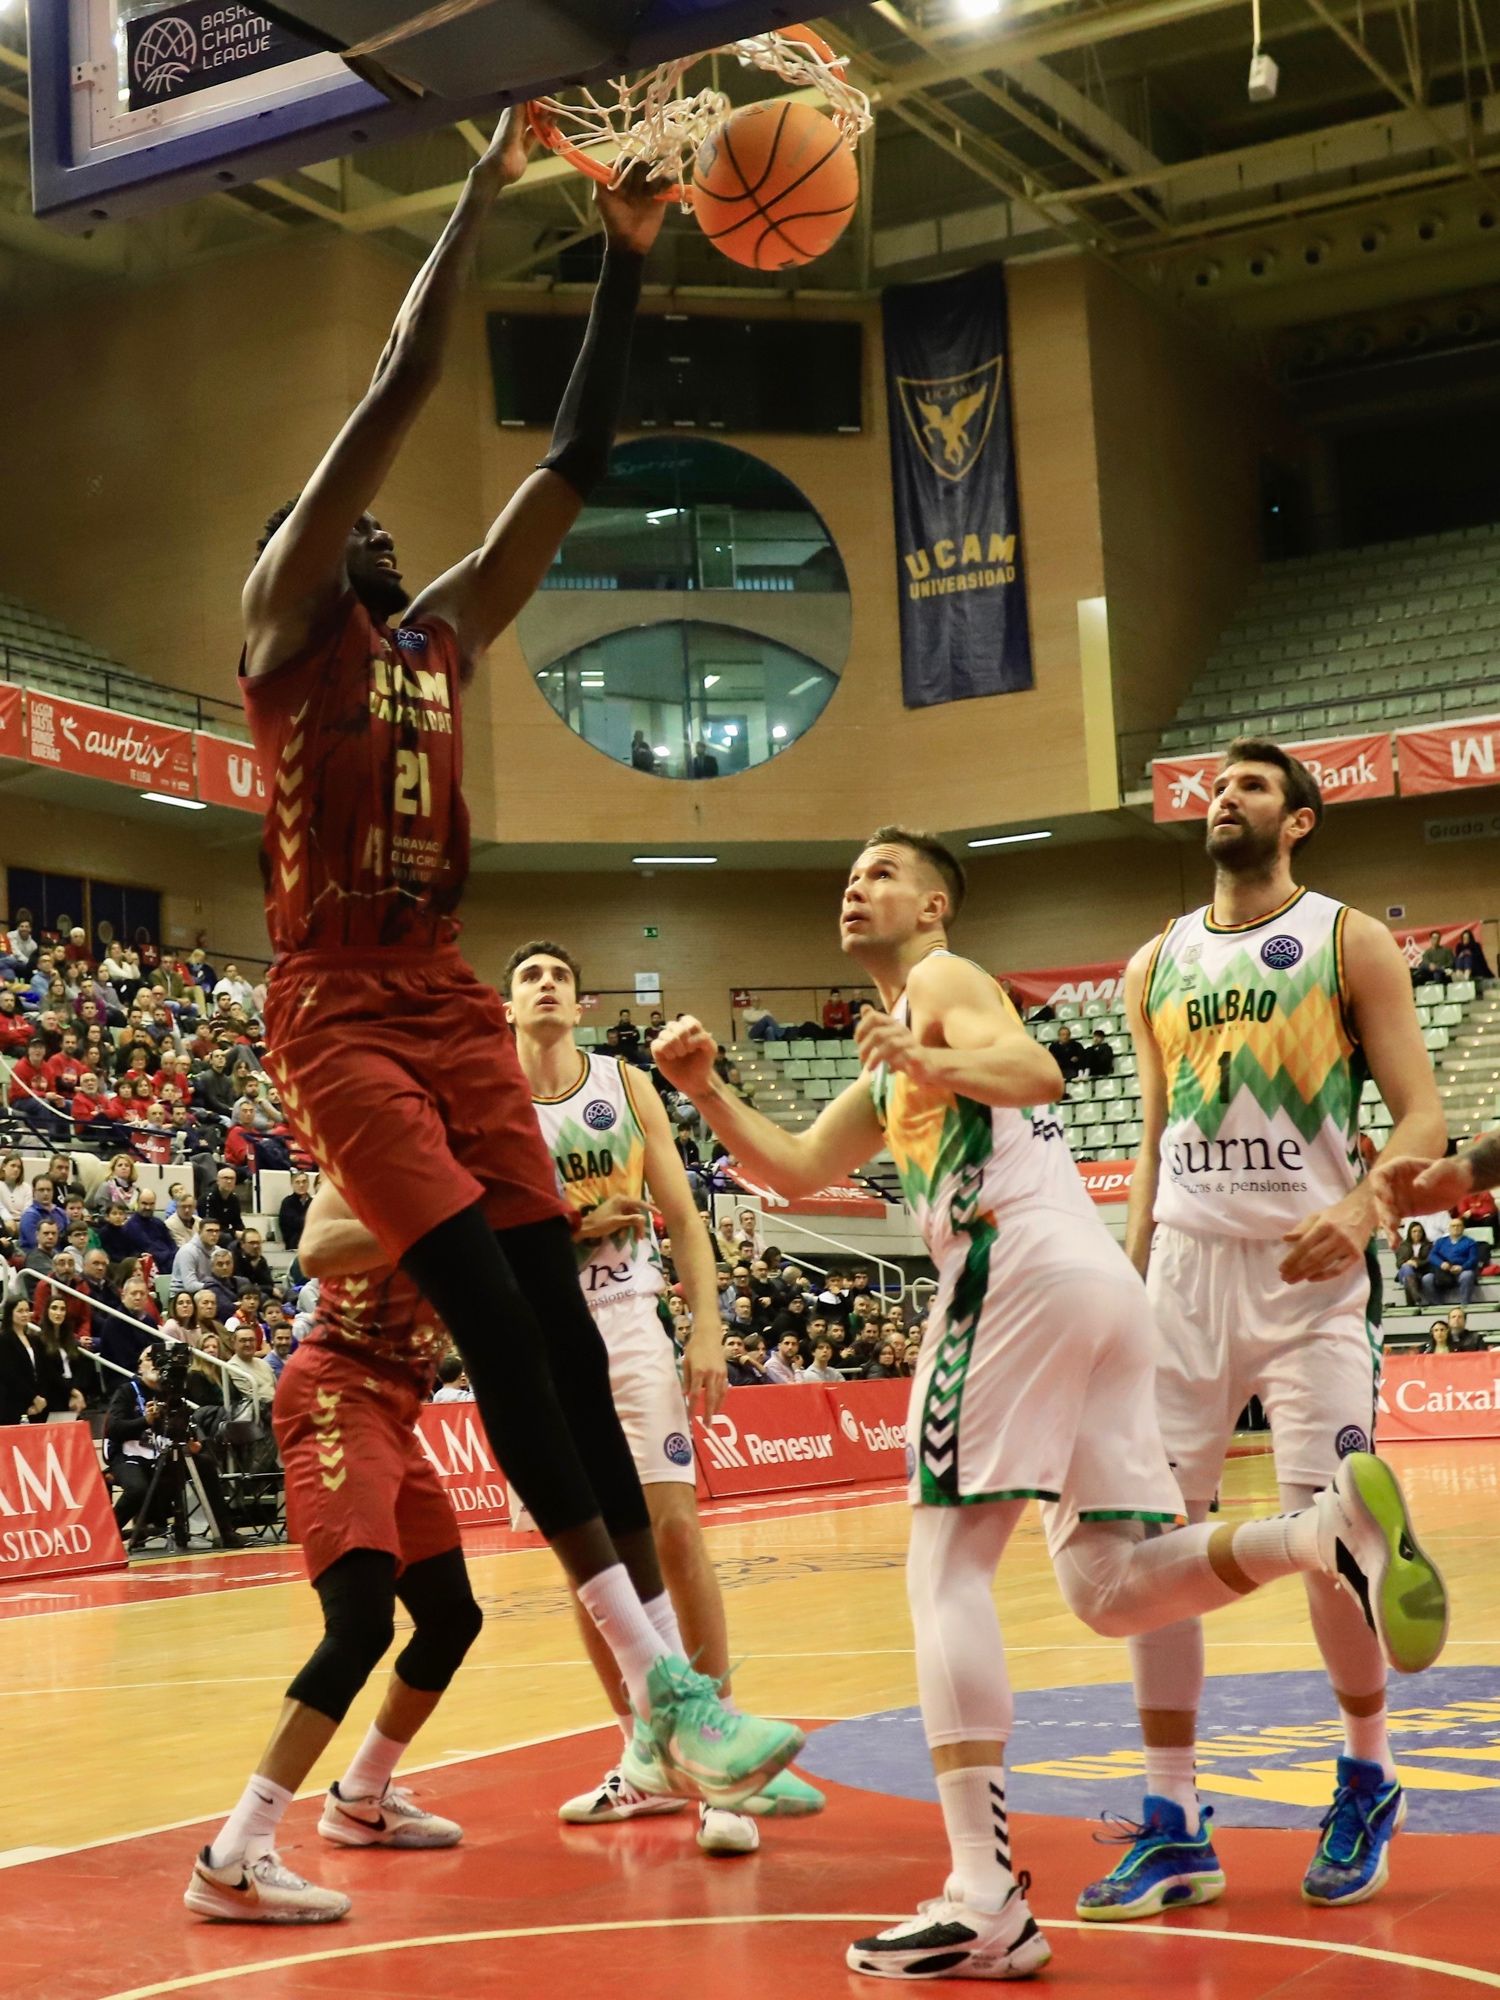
941,859
273,522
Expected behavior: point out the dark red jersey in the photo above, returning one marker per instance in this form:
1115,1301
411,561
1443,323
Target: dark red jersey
383,1316
366,840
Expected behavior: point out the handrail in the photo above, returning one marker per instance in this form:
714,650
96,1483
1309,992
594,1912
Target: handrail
20,658
846,1250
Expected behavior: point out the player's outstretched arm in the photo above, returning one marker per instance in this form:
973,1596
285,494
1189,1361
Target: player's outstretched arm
704,1370
964,1036
1151,1077
844,1135
335,1243
301,572
481,595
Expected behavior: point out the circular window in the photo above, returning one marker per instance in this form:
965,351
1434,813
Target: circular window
696,620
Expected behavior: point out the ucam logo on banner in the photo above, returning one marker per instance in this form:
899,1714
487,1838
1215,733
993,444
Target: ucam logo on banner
229,773
1346,768
55,1515
98,743
1067,985
455,1442
1424,1397
1453,757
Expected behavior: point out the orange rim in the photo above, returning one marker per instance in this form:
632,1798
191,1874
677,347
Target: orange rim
546,130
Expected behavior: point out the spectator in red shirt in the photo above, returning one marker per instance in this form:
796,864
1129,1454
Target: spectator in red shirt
15,1029
96,1113
239,1145
32,1096
836,1013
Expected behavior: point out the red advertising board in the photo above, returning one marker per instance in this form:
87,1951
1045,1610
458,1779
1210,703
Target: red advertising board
1414,942
99,743
1452,757
1346,767
454,1440
55,1514
1107,1180
1425,1397
12,721
1063,984
794,1437
229,773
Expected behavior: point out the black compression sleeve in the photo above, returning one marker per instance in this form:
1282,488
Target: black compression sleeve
585,427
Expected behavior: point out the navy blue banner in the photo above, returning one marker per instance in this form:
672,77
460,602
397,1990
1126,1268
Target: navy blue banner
958,535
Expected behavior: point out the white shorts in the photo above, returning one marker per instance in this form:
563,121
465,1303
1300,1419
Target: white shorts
1036,1381
644,1382
1229,1328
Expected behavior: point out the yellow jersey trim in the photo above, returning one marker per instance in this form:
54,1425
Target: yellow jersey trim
1228,930
583,1077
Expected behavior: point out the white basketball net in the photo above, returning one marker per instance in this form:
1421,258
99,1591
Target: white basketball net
651,121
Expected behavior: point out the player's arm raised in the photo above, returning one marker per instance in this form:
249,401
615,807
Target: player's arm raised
704,1370
481,594
1377,988
301,572
844,1135
335,1243
1151,1077
964,1037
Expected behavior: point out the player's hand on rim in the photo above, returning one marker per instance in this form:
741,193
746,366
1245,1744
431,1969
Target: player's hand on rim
631,213
882,1039
508,155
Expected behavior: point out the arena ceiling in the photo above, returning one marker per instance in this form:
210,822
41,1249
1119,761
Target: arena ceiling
1122,129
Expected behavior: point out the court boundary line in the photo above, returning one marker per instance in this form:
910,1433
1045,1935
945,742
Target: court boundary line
1472,1975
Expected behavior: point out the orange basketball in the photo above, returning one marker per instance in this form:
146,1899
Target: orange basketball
775,186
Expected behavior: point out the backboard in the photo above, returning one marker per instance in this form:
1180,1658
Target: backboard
139,103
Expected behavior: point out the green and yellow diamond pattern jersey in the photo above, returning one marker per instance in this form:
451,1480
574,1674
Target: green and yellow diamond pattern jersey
598,1146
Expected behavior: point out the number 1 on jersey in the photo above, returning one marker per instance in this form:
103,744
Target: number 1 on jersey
1225,1060
413,783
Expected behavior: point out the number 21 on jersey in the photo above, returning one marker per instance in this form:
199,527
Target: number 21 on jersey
413,783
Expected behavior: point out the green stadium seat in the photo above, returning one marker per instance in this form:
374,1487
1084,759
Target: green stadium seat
777,1051
1461,992
832,1047
797,1070
804,1051
1435,1038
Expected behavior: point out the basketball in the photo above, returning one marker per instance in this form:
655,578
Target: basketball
775,186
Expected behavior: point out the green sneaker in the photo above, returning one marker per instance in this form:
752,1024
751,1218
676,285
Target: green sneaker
1365,1540
786,1797
642,1766
708,1751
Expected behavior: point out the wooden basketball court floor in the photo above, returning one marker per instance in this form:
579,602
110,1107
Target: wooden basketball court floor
133,1707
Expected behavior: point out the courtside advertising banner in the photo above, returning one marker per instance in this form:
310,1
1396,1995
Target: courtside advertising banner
797,1437
1427,1397
455,1441
229,773
1454,757
55,1515
1106,1180
12,721
1346,768
959,569
101,743
1067,985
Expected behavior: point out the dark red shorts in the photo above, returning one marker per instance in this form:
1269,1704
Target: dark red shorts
400,1076
356,1475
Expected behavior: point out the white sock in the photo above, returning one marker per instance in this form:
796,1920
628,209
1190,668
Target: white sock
663,1616
1169,1775
1281,1545
610,1600
250,1830
973,1803
1366,1737
374,1764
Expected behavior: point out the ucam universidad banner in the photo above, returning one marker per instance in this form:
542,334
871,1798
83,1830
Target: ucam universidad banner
959,569
1346,768
55,1514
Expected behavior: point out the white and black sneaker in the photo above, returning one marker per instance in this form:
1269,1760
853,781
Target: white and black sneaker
950,1939
393,1820
614,1798
721,1831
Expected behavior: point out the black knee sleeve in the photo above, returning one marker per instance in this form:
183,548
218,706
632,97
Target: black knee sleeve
358,1593
436,1593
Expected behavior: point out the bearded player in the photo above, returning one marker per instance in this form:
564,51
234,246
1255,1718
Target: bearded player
391,1060
1003,1407
608,1135
1256,1020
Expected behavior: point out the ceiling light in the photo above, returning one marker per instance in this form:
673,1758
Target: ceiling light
656,515
778,732
675,860
1011,839
812,681
977,10
166,799
731,729
711,680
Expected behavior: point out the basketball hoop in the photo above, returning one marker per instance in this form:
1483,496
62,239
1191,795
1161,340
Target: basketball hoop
652,121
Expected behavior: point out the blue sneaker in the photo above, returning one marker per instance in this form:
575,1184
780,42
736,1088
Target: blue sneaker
1353,1857
1167,1868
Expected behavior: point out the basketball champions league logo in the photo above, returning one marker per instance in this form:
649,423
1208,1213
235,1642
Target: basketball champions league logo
165,56
951,416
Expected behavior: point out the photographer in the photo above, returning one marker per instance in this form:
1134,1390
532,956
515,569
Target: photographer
147,1415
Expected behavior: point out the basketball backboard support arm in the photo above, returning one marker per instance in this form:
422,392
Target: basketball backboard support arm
138,104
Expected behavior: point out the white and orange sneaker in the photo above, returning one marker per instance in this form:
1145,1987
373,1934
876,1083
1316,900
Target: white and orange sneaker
263,1891
393,1820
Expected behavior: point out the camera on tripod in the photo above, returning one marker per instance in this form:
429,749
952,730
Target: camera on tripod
175,1420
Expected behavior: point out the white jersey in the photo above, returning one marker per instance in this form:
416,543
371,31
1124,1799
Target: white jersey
1263,1070
598,1145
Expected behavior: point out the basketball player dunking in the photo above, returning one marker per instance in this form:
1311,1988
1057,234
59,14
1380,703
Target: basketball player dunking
392,1060
1002,1408
1256,1020
610,1141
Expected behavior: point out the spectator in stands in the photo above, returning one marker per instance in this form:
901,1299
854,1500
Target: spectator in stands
1453,1267
97,1114
250,1266
146,1235
281,1344
628,1035
15,1195
22,943
251,1372
213,1084
31,1094
72,1376
741,1372
23,1389
1099,1057
206,1321
453,1382
43,1251
1416,1255
182,1216
98,1278
121,1343
291,1217
1469,961
220,1281
858,1351
64,1180
15,1029
1436,967
135,1445
742,1315
118,1185
183,1316
642,756
1480,1213
785,1364
192,1267
792,1319
241,992
1464,1341
822,1368
42,1209
247,1313
1068,1054
760,1024
112,1238
1439,1339
884,1368
222,1205
835,1013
